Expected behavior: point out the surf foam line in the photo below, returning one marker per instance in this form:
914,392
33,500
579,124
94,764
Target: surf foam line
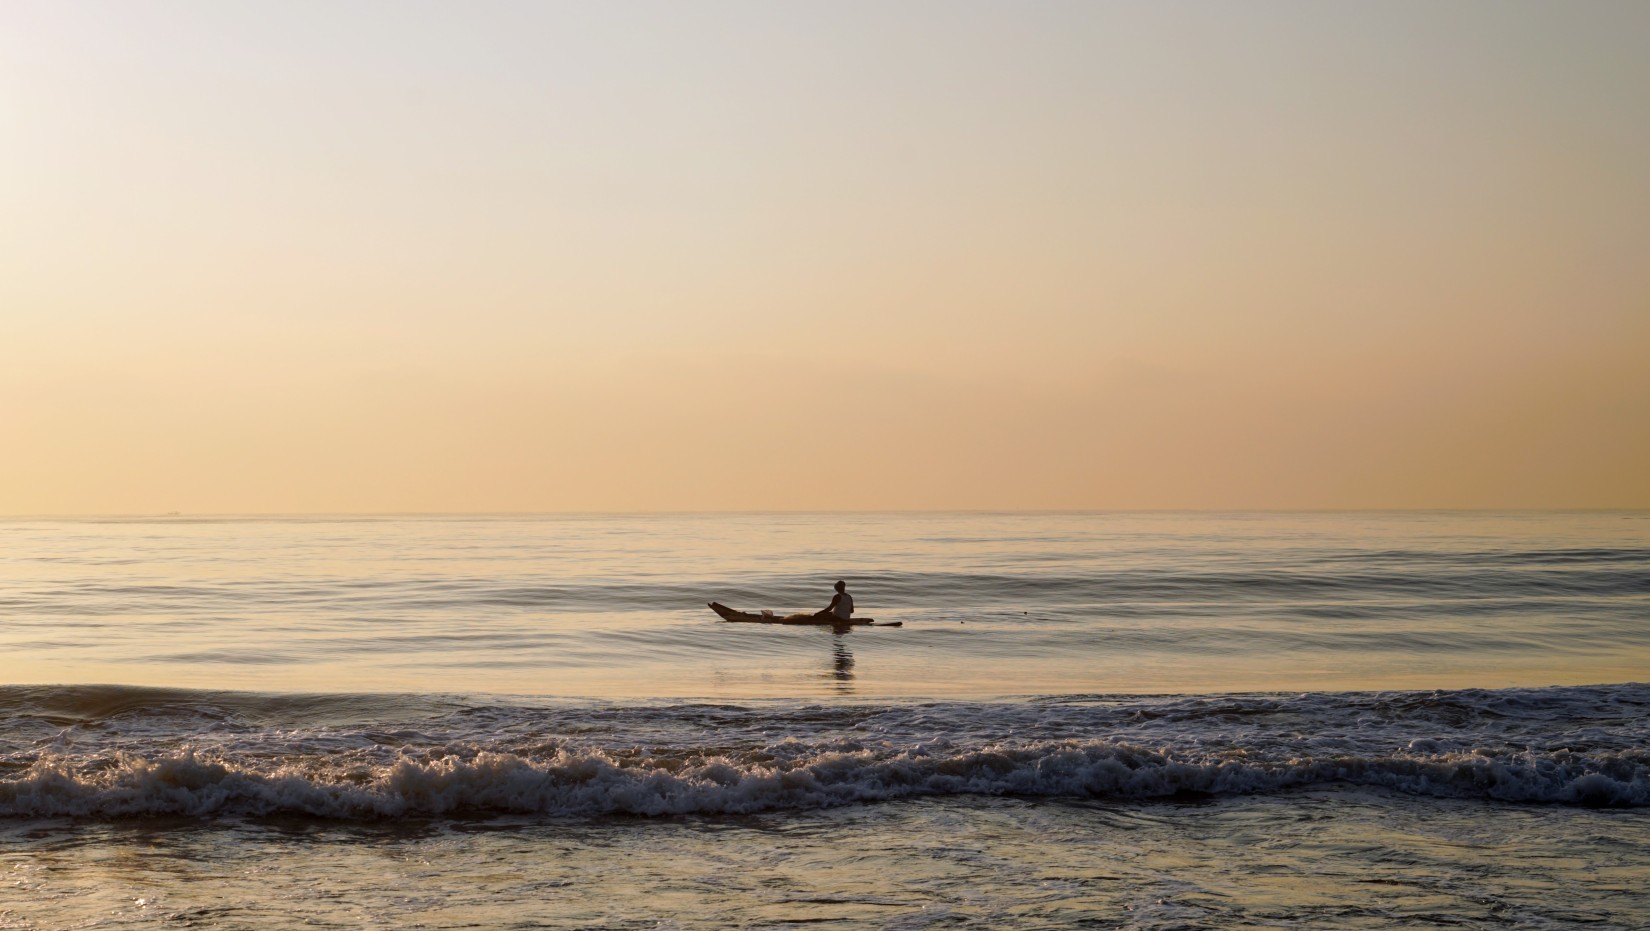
582,783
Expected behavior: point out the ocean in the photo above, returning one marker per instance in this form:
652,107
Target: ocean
1108,720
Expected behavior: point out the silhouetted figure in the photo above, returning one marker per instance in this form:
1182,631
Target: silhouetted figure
841,608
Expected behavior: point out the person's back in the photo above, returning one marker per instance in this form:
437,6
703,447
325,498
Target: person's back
842,605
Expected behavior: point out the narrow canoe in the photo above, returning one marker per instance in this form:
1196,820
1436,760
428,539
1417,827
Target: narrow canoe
747,617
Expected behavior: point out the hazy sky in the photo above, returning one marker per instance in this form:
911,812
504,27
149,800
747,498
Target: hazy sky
348,256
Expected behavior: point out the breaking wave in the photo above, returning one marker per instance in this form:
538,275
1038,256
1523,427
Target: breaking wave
585,783
114,752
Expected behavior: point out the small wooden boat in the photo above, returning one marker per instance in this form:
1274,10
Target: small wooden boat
768,617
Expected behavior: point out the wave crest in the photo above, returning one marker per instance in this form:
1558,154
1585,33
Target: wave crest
584,783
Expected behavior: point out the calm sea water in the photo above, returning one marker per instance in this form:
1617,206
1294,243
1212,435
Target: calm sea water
1113,720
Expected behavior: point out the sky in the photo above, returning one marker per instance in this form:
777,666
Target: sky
325,257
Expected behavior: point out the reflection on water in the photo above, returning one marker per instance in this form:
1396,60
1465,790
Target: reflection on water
842,661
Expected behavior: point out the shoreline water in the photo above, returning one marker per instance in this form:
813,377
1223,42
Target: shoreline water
1350,859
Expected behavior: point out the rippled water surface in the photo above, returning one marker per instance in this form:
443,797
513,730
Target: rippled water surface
992,605
1103,720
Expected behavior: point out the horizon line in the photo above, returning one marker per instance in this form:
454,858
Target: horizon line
689,512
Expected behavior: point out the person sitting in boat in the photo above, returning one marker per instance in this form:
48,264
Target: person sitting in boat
841,607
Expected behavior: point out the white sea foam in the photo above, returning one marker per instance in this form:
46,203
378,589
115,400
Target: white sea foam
113,752
587,783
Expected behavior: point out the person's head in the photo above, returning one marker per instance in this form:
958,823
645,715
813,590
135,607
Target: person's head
841,586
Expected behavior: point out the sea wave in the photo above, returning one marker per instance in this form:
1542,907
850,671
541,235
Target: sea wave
114,752
591,783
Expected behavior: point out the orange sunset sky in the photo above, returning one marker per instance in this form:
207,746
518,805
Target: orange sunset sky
391,257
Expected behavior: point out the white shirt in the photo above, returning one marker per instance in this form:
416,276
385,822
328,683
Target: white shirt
845,606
